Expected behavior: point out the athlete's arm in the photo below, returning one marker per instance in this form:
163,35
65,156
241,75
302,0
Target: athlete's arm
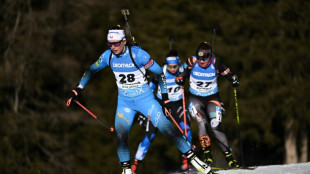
226,72
101,63
153,83
188,66
155,68
149,64
98,65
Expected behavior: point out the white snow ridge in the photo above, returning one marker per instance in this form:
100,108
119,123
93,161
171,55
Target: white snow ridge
299,168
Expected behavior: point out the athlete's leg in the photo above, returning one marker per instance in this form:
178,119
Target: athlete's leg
144,145
176,110
149,106
146,142
198,112
188,129
123,121
178,115
215,114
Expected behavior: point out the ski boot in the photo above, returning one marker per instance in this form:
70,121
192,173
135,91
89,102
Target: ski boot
126,167
197,163
127,171
135,166
232,163
185,164
208,158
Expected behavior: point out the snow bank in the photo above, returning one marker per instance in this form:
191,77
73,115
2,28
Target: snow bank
300,168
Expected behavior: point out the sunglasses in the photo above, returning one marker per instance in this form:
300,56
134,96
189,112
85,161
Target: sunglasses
172,66
116,44
203,58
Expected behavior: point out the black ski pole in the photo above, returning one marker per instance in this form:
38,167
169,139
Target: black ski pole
216,27
171,39
126,13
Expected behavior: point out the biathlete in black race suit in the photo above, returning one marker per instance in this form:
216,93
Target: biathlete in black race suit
204,100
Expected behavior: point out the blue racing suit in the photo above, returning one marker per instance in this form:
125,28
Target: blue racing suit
175,106
135,95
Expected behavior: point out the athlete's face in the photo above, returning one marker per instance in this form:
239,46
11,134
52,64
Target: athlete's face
173,68
117,46
203,63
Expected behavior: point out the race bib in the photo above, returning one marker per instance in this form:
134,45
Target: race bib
129,80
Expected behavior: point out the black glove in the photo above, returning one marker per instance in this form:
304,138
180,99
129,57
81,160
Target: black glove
142,120
235,81
180,80
165,100
223,109
73,95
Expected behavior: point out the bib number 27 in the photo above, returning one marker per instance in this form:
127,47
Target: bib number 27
203,84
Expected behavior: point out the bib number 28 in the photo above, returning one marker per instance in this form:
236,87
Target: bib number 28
127,78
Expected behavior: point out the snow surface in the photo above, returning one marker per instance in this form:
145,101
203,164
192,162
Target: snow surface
299,168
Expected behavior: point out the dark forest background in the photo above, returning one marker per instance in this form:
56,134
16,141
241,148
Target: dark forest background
46,45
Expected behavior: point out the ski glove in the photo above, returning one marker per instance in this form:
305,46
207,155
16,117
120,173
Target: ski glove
73,95
165,101
235,81
142,120
180,80
223,109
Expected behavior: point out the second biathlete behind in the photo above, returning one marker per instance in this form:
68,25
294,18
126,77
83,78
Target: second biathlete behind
171,69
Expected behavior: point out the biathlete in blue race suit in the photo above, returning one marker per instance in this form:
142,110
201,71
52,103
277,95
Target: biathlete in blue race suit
135,95
204,100
171,69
